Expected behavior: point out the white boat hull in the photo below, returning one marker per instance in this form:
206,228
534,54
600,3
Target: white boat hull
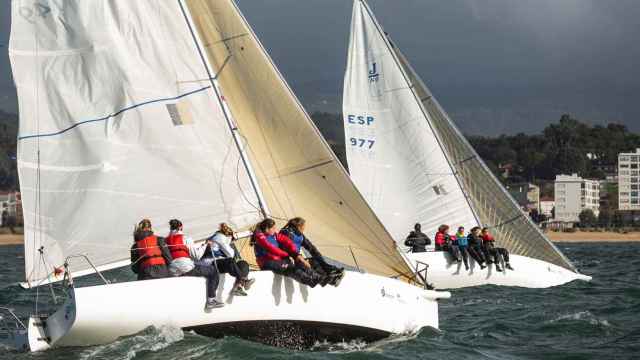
529,273
363,306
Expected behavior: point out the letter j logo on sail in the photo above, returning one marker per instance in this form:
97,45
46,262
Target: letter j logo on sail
373,73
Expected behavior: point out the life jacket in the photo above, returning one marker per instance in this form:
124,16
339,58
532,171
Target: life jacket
260,251
462,240
149,250
175,242
296,238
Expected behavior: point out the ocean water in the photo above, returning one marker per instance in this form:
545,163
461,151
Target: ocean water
596,320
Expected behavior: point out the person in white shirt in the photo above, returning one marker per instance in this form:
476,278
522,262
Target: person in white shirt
185,254
227,259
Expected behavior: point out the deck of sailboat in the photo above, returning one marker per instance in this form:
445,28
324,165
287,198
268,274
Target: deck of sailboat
443,273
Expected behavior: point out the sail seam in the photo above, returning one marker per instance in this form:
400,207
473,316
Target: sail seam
105,118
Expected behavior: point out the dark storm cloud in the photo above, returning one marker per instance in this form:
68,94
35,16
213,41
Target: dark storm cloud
496,65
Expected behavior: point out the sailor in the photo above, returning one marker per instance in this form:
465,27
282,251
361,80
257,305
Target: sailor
417,240
475,246
445,242
184,254
488,242
294,230
227,259
149,253
268,244
463,245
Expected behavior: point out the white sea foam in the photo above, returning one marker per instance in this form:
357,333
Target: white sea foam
127,348
585,316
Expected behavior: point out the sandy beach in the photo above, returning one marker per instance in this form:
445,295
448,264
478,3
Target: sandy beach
588,236
11,239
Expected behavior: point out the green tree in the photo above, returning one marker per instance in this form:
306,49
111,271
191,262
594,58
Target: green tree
587,218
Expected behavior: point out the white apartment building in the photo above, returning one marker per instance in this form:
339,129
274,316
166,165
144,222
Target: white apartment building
574,194
628,184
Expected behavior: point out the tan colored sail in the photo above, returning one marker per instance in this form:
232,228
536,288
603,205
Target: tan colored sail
494,206
298,173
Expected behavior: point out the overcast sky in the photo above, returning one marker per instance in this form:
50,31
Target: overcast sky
498,66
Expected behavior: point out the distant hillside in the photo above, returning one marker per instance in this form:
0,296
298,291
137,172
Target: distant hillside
8,135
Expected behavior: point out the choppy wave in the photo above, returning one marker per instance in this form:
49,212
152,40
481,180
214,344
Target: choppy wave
126,348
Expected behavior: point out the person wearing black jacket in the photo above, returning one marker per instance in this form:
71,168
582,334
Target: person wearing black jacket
417,240
475,247
149,253
330,274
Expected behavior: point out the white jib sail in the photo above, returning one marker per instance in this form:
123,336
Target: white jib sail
118,122
394,156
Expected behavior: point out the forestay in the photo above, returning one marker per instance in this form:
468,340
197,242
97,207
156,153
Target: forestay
298,173
118,122
395,157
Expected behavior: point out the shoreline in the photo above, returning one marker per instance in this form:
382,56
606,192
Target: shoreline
556,237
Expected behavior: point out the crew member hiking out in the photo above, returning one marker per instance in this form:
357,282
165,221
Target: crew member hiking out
268,244
488,242
417,240
463,246
444,242
149,253
294,230
475,246
222,249
184,253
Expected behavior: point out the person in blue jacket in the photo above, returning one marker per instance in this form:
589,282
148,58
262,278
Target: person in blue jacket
463,245
294,230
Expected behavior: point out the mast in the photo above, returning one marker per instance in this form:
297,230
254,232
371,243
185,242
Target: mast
264,210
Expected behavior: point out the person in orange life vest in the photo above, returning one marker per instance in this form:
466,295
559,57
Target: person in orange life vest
446,242
488,243
149,253
222,250
184,254
294,230
268,245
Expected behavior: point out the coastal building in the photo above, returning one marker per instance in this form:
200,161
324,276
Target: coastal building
546,206
628,184
527,195
574,194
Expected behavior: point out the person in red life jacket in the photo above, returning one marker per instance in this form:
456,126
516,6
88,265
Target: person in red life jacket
498,253
149,253
185,254
294,230
227,259
268,245
446,242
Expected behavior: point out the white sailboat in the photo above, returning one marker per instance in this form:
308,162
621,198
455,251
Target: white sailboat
413,165
173,109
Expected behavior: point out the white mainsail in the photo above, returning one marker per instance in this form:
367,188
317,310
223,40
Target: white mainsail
118,122
395,156
481,198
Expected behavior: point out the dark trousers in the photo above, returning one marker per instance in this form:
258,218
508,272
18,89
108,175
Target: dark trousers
209,272
465,255
237,269
454,251
321,266
477,254
153,272
297,272
497,254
